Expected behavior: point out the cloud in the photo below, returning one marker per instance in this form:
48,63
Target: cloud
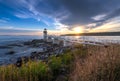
10,30
70,13
103,19
16,28
82,10
110,25
2,21
22,16
6,27
99,17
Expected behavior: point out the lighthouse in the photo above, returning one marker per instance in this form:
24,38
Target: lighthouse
45,34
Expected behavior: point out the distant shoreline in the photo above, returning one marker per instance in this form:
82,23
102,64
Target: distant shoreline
95,34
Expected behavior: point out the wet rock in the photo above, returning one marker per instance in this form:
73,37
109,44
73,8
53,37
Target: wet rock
34,43
25,59
34,52
34,55
27,43
37,41
11,52
19,62
5,47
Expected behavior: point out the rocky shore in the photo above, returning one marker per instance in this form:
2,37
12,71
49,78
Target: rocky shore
48,49
39,50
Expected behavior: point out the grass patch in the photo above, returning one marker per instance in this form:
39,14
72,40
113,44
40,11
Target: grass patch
82,63
99,64
55,63
32,71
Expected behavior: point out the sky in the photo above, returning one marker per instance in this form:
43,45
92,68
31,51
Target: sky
30,17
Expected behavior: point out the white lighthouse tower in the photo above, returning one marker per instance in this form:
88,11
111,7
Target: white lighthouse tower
45,34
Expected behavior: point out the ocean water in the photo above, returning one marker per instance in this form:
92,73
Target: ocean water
26,50
4,40
103,39
12,39
19,51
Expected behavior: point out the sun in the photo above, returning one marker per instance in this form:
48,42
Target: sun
77,30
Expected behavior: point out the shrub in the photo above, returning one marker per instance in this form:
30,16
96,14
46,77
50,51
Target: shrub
67,58
55,63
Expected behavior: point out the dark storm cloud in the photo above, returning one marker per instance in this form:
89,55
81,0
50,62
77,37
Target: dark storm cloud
114,13
82,11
